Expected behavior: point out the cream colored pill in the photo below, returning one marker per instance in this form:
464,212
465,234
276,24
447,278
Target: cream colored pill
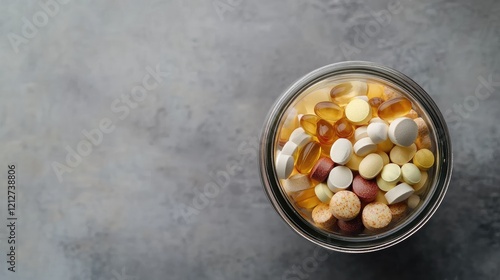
413,201
345,205
410,173
358,111
364,146
421,186
340,178
401,155
384,185
423,159
284,166
360,132
399,193
354,162
297,182
377,132
323,192
376,216
322,216
403,131
371,166
391,173
289,149
384,156
341,151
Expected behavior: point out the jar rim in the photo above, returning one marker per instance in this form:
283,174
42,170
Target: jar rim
289,214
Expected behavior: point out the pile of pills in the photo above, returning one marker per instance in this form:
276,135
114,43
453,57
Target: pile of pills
354,157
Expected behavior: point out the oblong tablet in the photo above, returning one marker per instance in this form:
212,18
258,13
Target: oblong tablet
284,166
399,193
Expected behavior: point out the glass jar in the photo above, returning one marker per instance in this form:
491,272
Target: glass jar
438,180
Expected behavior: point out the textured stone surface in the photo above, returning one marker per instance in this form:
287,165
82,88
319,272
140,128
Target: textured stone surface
119,213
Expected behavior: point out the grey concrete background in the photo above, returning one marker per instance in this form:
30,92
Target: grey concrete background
123,211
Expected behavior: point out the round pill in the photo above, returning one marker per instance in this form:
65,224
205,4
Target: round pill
341,151
351,227
284,166
399,193
297,182
423,159
421,186
403,131
358,111
360,132
321,169
323,217
384,156
354,162
290,149
371,166
410,173
413,201
391,173
377,132
323,192
385,146
384,185
345,205
366,190
340,178
401,155
376,216
364,146
398,210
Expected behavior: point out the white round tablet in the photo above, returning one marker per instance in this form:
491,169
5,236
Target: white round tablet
403,131
377,132
341,151
364,146
339,179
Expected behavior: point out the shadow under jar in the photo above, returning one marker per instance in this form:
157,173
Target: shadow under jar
308,104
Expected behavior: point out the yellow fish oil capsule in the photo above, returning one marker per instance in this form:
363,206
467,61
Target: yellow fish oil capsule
343,128
344,92
307,157
308,123
394,108
325,133
328,111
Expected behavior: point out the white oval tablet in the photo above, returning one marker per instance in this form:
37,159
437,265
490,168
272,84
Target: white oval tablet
339,179
399,193
364,146
341,151
403,131
360,132
290,149
284,166
300,137
377,132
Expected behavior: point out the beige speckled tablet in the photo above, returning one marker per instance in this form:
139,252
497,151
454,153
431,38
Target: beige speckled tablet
398,210
323,217
345,205
376,216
